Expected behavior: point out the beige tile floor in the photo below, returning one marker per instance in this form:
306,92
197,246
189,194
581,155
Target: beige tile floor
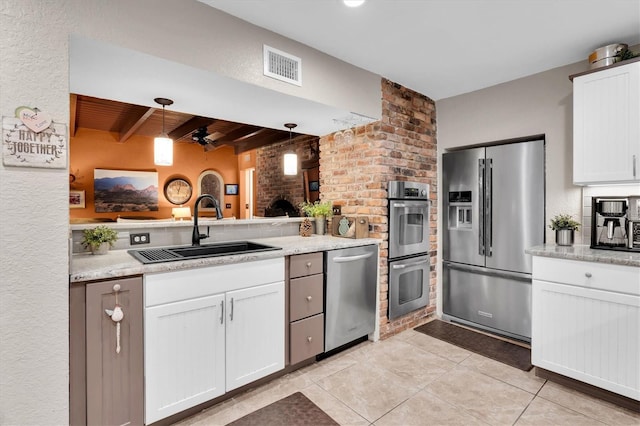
414,379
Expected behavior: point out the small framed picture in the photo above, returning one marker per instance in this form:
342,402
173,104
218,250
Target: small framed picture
231,189
314,185
76,199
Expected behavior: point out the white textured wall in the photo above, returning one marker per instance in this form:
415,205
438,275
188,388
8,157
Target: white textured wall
34,202
538,104
33,230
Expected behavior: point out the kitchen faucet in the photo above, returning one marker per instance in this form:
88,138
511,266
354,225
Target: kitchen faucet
197,236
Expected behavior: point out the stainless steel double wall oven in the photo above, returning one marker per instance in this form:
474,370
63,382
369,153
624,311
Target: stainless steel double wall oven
409,261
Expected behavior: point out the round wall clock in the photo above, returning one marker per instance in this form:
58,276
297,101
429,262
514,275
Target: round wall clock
178,191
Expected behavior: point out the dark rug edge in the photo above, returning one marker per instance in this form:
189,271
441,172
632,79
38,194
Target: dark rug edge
312,410
520,366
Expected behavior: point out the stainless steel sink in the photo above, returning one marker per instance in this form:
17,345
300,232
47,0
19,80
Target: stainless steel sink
168,254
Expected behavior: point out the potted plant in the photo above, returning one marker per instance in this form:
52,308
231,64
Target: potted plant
320,210
99,239
565,227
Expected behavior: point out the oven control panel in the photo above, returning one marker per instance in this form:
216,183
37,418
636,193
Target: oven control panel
402,190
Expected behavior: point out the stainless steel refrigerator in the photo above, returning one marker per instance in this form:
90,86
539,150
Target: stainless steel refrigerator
493,209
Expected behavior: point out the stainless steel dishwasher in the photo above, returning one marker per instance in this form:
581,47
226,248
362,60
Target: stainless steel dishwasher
350,294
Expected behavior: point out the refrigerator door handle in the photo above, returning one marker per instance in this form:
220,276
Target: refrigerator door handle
488,211
490,272
480,198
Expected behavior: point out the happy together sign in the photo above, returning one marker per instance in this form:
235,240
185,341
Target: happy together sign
33,140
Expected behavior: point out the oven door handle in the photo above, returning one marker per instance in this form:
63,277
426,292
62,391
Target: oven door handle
343,259
399,205
406,265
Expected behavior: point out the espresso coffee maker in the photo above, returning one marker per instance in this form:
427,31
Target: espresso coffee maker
609,223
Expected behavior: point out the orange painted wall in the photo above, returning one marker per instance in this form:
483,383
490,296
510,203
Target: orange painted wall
93,149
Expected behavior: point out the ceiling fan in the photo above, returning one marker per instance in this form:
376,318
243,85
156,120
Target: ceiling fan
208,140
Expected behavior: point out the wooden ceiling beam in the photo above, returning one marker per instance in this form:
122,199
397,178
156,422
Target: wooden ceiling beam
241,133
133,124
254,143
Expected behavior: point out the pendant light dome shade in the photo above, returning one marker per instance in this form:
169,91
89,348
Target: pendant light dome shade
163,144
163,151
290,158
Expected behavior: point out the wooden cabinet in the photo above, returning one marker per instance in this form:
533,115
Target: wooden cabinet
210,330
586,322
106,385
606,126
306,304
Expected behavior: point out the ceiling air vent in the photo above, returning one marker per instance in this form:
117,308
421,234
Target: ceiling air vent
282,66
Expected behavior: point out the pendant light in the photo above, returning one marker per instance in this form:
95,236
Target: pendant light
163,145
290,158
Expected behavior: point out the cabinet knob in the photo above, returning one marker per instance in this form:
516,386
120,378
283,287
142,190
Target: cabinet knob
587,274
308,264
116,287
309,339
309,298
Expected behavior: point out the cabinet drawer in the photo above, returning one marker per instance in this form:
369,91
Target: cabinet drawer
601,276
307,338
305,297
305,264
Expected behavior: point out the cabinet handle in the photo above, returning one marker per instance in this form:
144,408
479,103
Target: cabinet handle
588,274
308,264
222,312
309,298
634,166
309,339
231,314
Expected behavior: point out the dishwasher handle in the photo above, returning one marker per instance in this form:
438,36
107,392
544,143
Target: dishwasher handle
344,259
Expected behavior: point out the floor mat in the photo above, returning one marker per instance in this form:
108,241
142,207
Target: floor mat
296,409
499,350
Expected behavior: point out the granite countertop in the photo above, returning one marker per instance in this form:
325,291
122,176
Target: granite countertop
586,254
119,263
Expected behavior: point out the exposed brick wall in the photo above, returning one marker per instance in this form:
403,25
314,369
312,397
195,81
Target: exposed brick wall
355,174
272,183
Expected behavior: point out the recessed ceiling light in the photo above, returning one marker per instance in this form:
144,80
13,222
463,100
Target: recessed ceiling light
353,3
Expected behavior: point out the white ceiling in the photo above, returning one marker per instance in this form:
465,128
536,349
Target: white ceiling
443,48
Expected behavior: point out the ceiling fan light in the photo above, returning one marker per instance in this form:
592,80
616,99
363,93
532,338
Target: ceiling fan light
290,164
353,3
163,151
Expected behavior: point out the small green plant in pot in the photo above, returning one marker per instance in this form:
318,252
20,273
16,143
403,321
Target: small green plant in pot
565,228
320,210
99,239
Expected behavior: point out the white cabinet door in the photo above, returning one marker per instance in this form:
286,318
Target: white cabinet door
606,126
184,355
255,333
587,334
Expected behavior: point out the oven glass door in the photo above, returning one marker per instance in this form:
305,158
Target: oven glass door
408,285
408,228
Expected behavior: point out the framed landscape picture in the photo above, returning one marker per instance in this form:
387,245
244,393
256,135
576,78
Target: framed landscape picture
125,191
231,189
76,199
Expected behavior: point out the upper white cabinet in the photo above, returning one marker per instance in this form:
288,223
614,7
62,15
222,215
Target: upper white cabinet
606,126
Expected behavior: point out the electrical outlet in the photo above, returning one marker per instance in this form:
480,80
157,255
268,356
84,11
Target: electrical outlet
228,205
142,238
337,209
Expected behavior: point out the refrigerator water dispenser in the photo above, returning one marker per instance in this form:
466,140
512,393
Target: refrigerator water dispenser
460,210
